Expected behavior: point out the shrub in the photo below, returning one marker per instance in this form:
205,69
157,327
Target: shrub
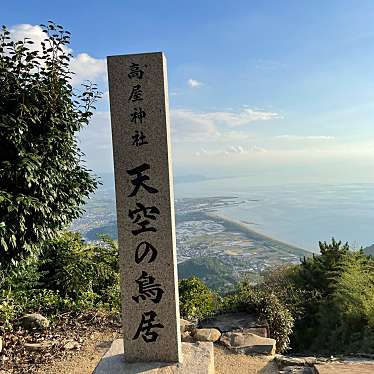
346,319
265,303
196,300
68,276
75,269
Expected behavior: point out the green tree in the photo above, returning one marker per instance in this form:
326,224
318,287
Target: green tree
318,272
346,318
43,182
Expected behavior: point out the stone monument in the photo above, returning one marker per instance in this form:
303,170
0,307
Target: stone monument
145,206
146,228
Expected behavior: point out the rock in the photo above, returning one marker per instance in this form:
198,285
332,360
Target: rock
243,322
34,321
36,347
206,335
186,337
297,370
186,326
283,361
71,344
248,343
1,344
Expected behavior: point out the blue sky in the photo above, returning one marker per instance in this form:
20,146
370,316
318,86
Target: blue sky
273,89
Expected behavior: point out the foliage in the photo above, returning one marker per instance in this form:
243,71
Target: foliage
196,300
319,272
346,318
280,281
72,267
42,179
67,276
330,297
324,305
264,302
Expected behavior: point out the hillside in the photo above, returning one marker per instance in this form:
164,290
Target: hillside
110,229
216,274
369,250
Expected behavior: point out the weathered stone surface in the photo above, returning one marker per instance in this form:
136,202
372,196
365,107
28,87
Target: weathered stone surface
34,321
206,335
198,358
248,343
187,338
297,370
283,361
243,322
145,206
186,325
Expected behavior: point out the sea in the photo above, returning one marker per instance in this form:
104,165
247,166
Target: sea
299,214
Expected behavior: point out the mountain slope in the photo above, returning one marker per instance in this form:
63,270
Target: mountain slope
369,250
216,274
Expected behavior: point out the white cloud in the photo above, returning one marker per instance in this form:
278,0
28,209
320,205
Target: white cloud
34,32
231,151
189,125
193,83
244,117
305,137
86,67
83,65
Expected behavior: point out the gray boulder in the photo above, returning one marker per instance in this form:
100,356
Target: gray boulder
248,343
34,321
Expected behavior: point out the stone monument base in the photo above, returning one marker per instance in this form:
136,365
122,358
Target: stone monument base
198,358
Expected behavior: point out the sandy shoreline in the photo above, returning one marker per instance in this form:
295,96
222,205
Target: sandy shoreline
253,234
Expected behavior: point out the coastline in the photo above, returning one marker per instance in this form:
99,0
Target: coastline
231,223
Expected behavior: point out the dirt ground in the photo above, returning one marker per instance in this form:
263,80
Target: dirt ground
84,361
229,363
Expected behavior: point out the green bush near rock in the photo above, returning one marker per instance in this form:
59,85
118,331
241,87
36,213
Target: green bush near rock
196,300
254,300
67,276
331,298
